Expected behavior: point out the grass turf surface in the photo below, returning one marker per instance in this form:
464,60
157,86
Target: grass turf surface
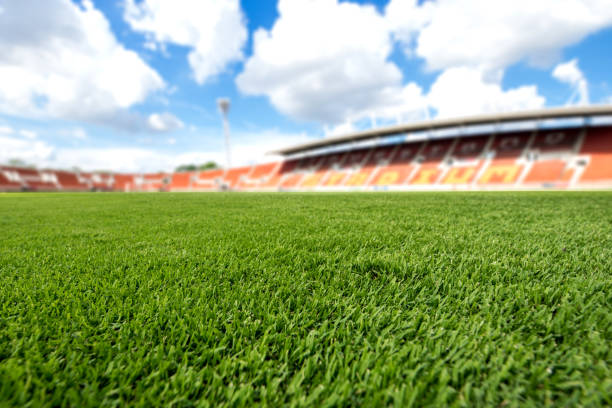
466,299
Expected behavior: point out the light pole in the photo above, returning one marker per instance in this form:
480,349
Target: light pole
224,105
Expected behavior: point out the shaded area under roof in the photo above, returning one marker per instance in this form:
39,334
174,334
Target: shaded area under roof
540,114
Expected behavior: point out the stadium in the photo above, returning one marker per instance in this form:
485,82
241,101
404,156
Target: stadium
523,150
415,209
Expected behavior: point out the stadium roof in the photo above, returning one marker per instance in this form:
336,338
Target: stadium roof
541,114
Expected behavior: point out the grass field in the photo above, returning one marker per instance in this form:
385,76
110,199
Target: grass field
466,299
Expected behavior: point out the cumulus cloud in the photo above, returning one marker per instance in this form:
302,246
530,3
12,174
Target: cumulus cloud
341,76
28,134
214,30
339,71
249,148
32,151
494,34
462,91
569,73
61,60
164,122
6,130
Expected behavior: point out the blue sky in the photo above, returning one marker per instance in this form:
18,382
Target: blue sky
131,85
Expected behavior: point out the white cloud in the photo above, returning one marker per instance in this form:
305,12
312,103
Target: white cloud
463,91
569,73
61,60
31,151
248,148
76,133
327,62
28,134
6,130
338,77
215,30
172,141
494,34
164,122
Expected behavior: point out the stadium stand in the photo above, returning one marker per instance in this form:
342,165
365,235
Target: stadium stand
10,181
124,182
550,157
232,177
32,179
69,181
97,181
597,149
208,180
181,181
259,175
152,182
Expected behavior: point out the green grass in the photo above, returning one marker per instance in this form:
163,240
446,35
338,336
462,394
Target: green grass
463,299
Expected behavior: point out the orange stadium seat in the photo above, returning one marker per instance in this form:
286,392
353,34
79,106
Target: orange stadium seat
546,171
153,182
399,169
432,155
207,180
598,145
352,172
259,174
274,180
291,180
181,181
467,149
327,163
98,181
233,176
307,164
503,167
461,174
123,182
380,156
70,181
501,171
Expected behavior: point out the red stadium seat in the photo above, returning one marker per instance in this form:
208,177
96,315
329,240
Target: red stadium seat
33,179
469,148
399,169
8,181
70,181
598,145
555,140
123,182
510,145
324,167
431,155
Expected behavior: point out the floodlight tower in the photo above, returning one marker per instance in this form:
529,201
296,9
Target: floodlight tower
224,105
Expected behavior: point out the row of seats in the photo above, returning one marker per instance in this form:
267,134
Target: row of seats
30,179
554,158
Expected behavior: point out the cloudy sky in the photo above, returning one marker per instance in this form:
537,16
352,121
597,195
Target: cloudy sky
131,85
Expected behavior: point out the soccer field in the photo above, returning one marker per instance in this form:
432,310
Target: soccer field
418,299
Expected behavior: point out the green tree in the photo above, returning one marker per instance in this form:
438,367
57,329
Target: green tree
186,167
211,165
